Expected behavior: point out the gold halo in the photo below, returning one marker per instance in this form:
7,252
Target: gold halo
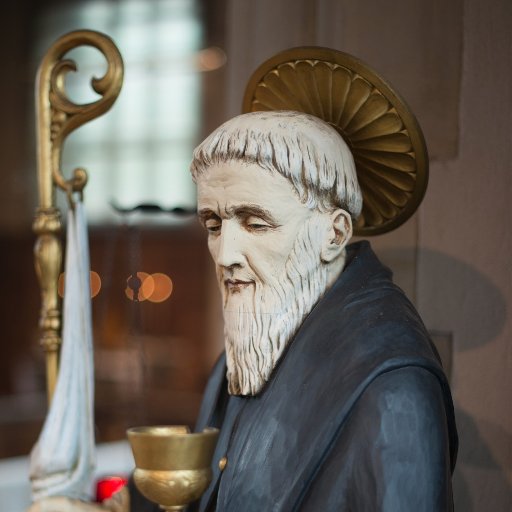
384,136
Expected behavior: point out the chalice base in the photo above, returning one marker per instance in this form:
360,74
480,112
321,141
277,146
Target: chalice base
172,490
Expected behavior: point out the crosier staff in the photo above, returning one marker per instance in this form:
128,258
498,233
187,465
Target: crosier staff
57,117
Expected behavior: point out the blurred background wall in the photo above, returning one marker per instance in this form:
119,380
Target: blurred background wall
452,61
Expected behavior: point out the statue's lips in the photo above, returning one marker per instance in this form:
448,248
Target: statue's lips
237,285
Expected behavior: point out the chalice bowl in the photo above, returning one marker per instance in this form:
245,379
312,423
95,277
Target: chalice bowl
172,465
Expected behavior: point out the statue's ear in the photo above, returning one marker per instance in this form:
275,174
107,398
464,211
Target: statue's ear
337,236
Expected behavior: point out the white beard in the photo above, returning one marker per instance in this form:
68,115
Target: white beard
258,330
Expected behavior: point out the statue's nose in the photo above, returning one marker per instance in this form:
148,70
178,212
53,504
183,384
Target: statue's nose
231,251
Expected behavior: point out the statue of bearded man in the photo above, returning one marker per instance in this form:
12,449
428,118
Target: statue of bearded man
330,395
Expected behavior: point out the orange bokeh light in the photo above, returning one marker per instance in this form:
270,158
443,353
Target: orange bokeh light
95,281
163,287
146,289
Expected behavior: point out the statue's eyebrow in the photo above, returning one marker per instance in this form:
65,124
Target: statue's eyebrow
252,210
243,210
206,213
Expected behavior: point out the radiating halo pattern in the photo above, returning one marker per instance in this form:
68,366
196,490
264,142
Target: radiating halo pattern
383,135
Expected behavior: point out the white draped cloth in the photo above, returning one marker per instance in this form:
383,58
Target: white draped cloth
62,461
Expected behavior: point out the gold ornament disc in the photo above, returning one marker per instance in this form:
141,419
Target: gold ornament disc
384,136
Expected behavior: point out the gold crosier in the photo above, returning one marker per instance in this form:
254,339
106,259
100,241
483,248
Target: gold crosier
57,117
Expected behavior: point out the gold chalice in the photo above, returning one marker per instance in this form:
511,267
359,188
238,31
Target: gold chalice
172,464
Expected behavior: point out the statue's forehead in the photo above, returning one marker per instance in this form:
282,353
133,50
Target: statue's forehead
232,184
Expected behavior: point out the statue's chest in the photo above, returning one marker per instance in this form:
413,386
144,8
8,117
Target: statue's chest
269,448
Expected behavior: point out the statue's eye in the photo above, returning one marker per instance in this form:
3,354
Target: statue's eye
257,224
213,225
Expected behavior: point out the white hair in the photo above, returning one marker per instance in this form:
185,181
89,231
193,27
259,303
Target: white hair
302,148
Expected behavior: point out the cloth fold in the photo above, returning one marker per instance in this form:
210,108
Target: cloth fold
63,459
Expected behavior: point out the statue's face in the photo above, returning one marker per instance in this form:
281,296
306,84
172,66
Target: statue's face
268,248
253,218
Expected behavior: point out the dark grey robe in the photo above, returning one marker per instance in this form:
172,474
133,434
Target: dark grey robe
357,416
